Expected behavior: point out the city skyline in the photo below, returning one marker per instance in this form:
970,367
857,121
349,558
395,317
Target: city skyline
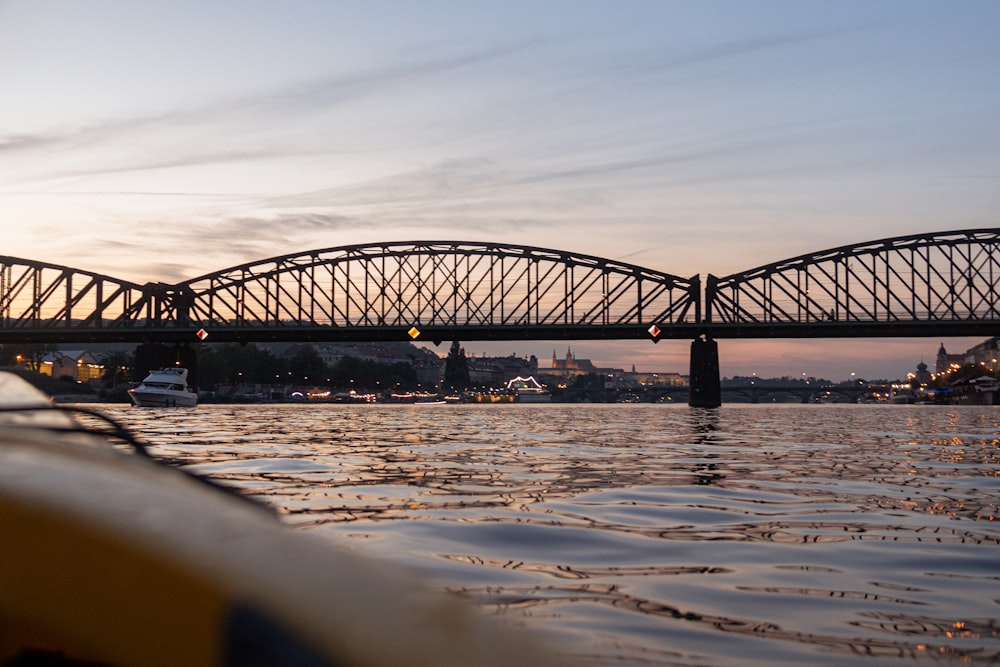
155,141
773,363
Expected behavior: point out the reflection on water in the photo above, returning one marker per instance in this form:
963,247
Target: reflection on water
650,535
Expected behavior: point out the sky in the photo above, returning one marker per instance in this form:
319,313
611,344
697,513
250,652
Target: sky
165,140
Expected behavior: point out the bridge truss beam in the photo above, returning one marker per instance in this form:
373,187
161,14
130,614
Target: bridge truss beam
936,284
41,301
441,290
435,290
929,285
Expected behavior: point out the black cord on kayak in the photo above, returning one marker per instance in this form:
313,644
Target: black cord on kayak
122,433
116,430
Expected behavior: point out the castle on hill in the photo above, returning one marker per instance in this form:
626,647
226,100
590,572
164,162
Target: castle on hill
571,366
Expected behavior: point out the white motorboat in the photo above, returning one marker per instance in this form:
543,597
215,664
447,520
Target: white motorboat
164,388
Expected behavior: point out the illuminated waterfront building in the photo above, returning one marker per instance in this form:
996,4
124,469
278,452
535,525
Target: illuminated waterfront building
80,365
984,354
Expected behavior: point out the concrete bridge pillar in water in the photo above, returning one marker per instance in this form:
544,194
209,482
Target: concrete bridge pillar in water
705,389
150,356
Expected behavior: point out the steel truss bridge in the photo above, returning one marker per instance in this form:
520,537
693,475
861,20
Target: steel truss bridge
934,284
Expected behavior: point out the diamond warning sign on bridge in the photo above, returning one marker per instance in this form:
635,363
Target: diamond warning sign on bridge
202,334
414,333
653,330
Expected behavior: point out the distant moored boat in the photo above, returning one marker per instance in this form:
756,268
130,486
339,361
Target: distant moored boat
528,390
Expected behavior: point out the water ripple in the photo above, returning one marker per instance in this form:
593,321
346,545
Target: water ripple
650,535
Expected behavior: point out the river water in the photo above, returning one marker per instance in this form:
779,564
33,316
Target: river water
649,534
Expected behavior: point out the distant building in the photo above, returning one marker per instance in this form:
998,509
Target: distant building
571,367
984,354
80,365
659,379
496,371
922,376
946,361
982,390
571,363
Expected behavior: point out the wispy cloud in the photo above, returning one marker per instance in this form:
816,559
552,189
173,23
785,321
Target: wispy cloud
254,116
167,252
343,88
737,48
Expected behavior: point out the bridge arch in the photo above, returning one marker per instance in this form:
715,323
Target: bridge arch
440,290
926,284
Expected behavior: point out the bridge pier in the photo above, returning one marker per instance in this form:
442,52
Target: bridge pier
705,388
150,356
